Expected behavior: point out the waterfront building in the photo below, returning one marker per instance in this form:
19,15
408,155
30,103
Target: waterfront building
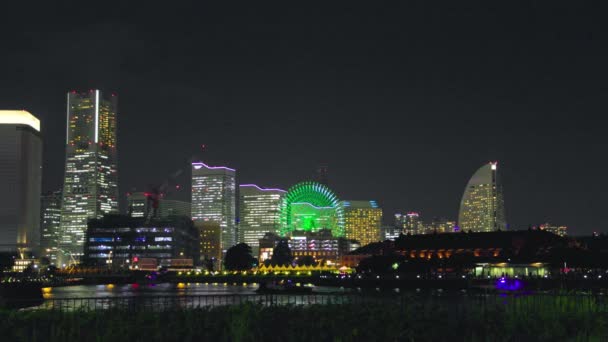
482,205
119,241
213,199
20,182
137,206
266,246
362,221
409,222
321,245
555,229
259,210
529,246
50,223
90,188
210,237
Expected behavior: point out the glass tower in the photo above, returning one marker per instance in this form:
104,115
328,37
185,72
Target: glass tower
50,224
259,213
90,187
362,221
482,205
20,182
214,199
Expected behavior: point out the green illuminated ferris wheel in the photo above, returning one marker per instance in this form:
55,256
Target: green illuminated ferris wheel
311,206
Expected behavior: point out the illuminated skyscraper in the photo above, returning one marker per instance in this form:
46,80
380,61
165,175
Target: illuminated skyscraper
409,223
214,199
362,221
90,187
50,224
20,181
259,213
482,206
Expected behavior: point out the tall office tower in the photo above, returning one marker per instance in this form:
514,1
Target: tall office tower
90,188
50,223
20,182
409,223
214,199
482,206
362,221
259,213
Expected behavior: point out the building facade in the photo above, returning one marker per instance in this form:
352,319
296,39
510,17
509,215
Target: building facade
90,188
214,199
362,221
390,232
210,237
437,225
482,204
137,206
259,213
409,223
50,223
20,182
321,245
118,241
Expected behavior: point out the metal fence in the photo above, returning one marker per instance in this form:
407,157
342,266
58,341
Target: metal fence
456,303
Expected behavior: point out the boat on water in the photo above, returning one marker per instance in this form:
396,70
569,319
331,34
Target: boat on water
283,287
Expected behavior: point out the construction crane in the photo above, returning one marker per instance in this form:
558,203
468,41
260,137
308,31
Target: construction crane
156,193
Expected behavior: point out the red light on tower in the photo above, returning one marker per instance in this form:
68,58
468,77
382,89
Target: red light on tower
135,259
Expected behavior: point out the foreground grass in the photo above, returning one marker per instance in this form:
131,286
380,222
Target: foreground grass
428,321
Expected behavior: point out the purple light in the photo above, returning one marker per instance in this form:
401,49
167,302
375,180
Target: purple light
263,189
201,164
509,284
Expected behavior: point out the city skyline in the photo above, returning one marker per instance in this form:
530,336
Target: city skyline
413,99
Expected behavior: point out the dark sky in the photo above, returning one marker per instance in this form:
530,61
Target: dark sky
403,102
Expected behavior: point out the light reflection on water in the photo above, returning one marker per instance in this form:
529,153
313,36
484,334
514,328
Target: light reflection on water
165,289
181,295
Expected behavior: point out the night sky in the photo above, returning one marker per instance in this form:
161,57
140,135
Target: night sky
402,102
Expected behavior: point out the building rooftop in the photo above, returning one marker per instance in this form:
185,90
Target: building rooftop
19,117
